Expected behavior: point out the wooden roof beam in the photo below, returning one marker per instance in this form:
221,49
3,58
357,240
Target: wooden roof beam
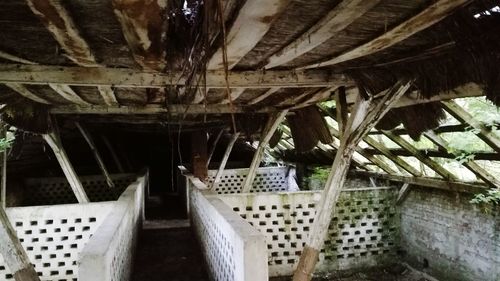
482,131
124,77
429,182
426,18
345,13
252,23
157,109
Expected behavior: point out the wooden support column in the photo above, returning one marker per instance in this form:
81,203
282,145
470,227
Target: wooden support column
341,109
3,183
199,154
97,156
222,166
271,126
13,252
214,146
363,118
55,143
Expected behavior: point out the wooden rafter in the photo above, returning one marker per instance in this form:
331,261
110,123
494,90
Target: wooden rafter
441,153
423,158
482,131
426,18
120,77
381,149
292,101
475,168
274,120
25,92
323,95
235,94
429,182
265,95
253,21
67,93
345,13
10,57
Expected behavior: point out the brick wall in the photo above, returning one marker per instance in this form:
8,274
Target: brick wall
444,234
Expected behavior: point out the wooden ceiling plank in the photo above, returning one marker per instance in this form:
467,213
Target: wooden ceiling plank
125,77
426,18
345,13
252,23
25,92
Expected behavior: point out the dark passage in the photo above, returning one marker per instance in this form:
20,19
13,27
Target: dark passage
168,255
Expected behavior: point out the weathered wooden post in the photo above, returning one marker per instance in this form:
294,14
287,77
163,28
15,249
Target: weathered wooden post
364,117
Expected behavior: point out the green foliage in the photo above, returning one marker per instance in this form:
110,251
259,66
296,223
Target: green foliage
487,200
4,144
320,173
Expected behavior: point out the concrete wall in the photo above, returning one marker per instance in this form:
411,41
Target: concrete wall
448,237
233,250
363,231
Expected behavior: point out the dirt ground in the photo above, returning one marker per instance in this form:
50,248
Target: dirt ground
394,272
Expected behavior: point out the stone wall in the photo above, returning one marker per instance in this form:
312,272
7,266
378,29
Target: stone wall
448,237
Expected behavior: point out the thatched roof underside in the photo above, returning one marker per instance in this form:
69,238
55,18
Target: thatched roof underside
161,62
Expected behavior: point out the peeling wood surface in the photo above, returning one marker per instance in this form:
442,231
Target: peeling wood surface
62,27
124,77
428,17
144,24
253,21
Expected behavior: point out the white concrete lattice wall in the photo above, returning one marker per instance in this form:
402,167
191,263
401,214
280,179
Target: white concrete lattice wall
233,250
53,236
51,191
363,231
61,239
267,179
